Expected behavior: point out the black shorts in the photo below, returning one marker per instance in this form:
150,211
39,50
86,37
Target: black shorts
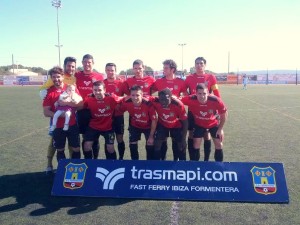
93,134
191,121
118,124
200,131
60,136
135,133
83,119
163,132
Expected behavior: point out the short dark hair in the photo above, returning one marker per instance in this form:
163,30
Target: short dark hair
200,58
69,59
136,88
165,93
137,62
171,63
98,83
111,64
55,70
88,56
201,86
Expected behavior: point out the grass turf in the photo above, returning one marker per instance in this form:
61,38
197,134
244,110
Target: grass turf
263,126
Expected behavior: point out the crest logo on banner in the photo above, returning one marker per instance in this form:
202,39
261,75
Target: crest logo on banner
264,181
110,178
74,175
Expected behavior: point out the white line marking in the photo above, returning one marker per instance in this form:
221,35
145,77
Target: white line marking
272,109
174,213
33,132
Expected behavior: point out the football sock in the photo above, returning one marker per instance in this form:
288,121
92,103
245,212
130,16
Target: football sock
195,154
50,152
149,152
134,151
88,154
76,155
182,154
219,155
96,148
111,155
207,149
190,147
121,149
60,155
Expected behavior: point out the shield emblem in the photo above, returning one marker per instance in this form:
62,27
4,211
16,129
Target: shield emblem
74,175
264,181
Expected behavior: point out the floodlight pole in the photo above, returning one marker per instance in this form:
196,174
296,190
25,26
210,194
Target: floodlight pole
182,45
57,4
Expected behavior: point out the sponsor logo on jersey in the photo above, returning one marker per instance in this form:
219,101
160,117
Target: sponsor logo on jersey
87,83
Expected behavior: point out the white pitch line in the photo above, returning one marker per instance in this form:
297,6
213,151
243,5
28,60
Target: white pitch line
6,143
174,213
272,109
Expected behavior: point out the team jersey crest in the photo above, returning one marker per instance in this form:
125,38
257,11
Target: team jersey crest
264,181
74,175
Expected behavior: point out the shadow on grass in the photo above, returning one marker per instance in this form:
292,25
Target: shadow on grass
35,188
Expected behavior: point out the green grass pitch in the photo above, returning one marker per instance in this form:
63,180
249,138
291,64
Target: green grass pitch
263,126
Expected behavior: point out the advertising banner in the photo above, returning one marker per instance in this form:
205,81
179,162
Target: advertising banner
182,180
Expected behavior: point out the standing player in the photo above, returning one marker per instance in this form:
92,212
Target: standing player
84,82
145,82
245,82
204,108
69,71
143,119
114,85
172,121
191,82
178,88
59,135
101,106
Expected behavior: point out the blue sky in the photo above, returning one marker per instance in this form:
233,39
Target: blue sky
259,34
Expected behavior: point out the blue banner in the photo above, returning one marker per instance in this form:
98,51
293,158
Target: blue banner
182,180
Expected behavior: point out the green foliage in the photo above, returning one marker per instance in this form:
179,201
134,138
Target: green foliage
4,70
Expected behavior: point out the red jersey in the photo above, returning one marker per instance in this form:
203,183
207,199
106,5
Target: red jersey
115,87
51,98
84,82
176,85
140,116
170,117
146,84
101,111
205,113
209,80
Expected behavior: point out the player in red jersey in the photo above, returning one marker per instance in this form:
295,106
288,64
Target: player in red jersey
143,119
84,82
101,106
114,85
49,107
204,108
172,121
191,83
69,71
178,88
146,82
